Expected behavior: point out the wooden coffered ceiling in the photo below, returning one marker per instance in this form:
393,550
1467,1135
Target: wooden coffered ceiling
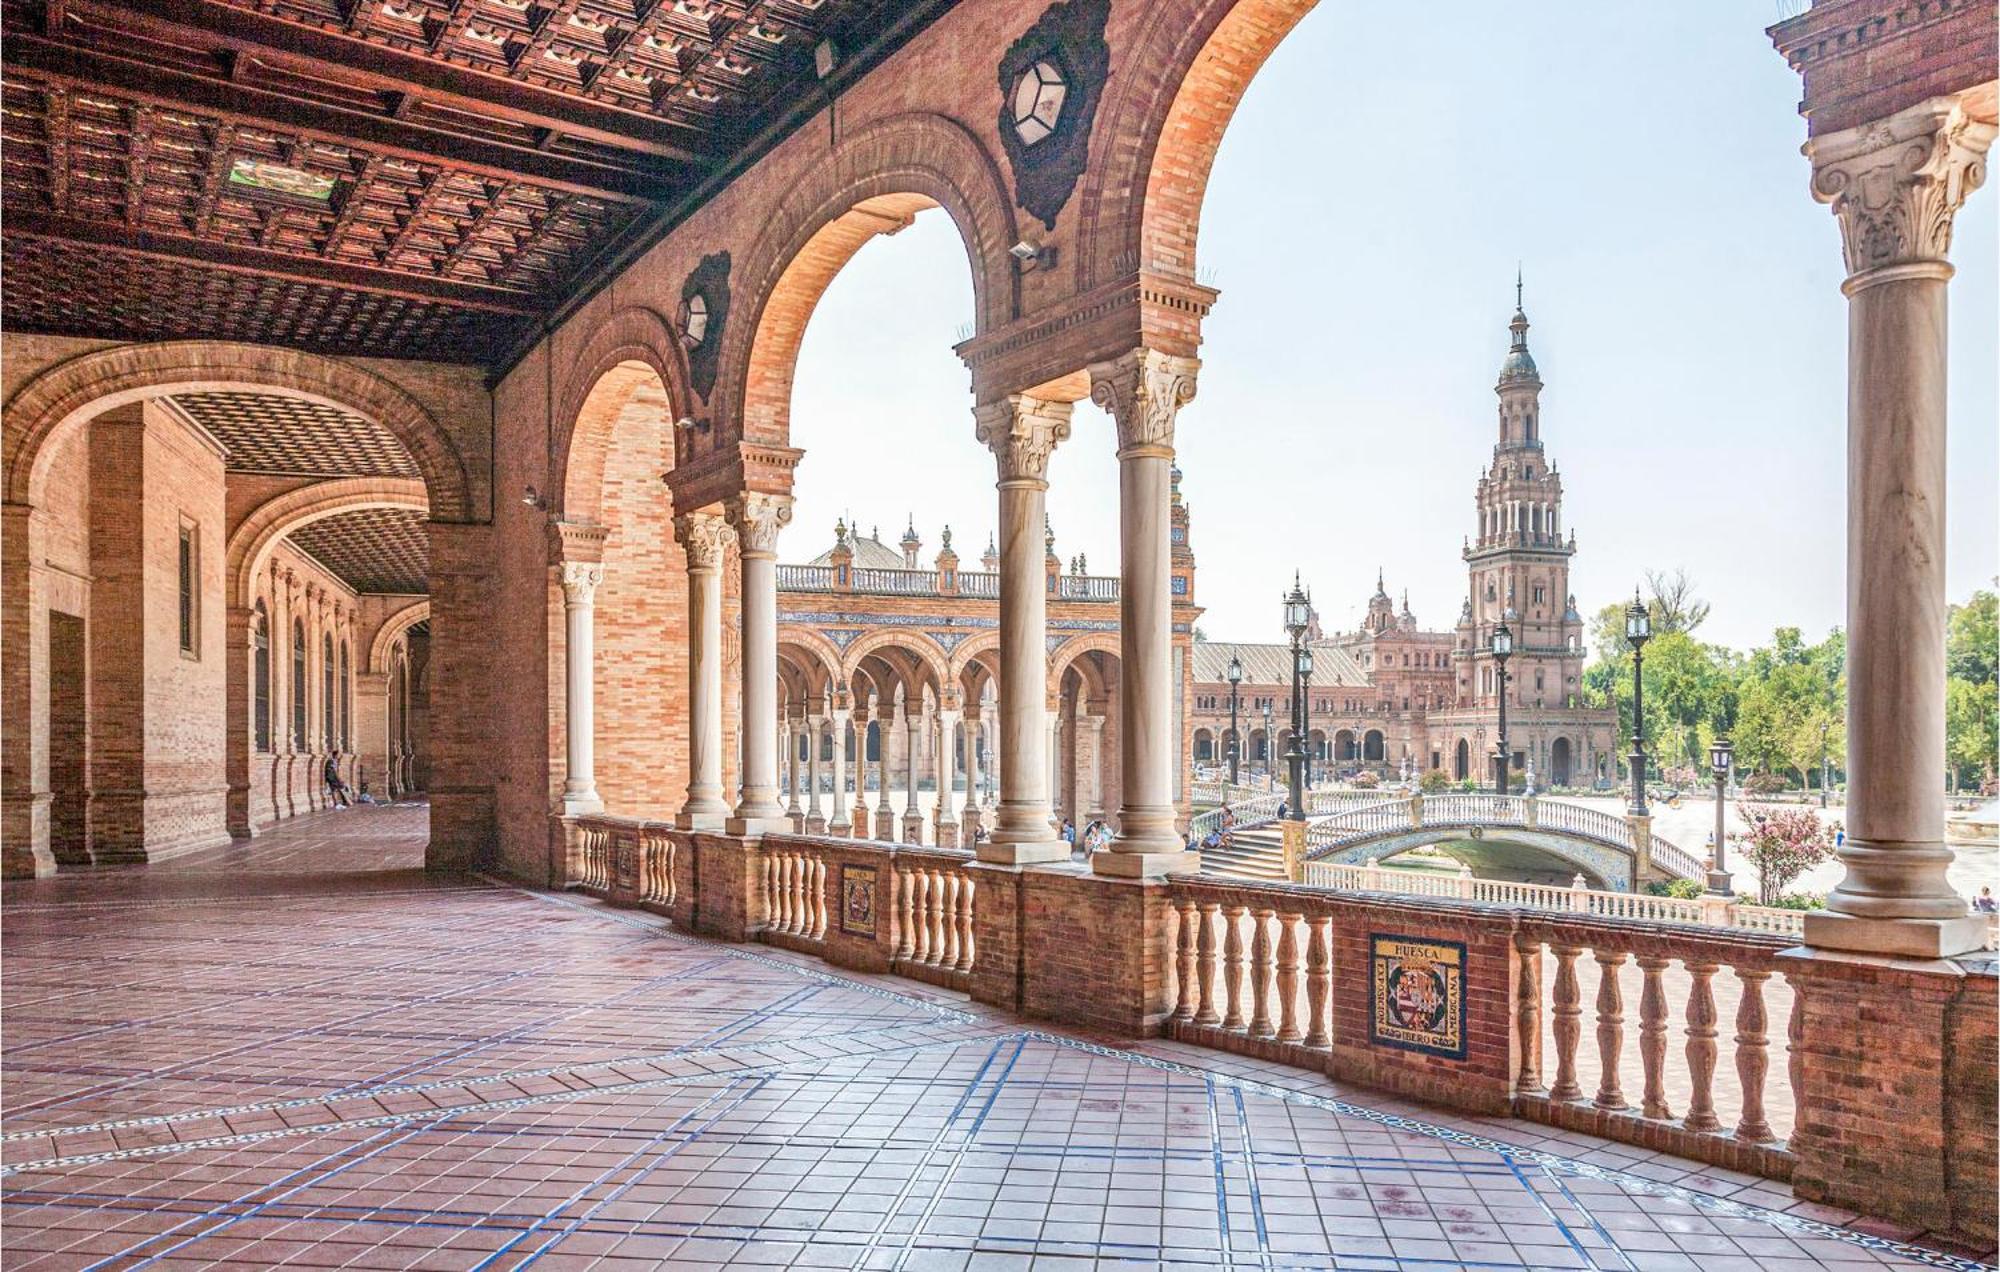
405,178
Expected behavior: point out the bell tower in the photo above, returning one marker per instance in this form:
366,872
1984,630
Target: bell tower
1517,559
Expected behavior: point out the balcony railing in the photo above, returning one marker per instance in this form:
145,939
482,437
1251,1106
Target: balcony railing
1256,974
979,585
1279,971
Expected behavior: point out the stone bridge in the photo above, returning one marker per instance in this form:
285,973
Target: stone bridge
1621,852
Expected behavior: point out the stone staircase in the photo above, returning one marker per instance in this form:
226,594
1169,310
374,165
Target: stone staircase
1251,854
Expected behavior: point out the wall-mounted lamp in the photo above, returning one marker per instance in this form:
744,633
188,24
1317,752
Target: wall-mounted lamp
534,498
1033,256
826,56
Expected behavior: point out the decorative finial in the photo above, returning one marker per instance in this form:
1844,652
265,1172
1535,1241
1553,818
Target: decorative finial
1517,284
947,538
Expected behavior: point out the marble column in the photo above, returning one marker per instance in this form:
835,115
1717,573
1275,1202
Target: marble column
579,585
704,537
815,741
885,733
1058,806
863,817
1093,808
973,817
947,777
838,823
1022,432
789,738
1143,391
913,818
1895,185
757,519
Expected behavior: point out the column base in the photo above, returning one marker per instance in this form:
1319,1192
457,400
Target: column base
757,827
1144,865
582,805
701,819
1905,938
998,854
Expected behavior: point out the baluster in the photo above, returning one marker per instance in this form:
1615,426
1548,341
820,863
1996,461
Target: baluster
1260,974
1190,954
1209,1013
934,900
1610,1028
1319,980
1701,1049
906,919
1232,967
1528,1016
1653,1036
770,890
819,897
920,914
1568,1023
965,950
800,896
1752,1055
789,867
948,892
1288,979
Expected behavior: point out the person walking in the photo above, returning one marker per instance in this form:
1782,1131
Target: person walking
336,789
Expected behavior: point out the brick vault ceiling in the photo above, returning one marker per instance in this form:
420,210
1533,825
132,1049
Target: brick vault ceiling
376,550
409,178
278,435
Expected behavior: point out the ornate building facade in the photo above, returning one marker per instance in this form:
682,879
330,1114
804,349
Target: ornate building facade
889,678
1388,694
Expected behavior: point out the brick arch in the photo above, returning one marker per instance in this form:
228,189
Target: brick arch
1075,648
613,360
809,644
391,631
71,393
872,182
251,544
1161,123
919,648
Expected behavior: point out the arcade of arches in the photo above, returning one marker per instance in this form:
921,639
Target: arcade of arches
505,531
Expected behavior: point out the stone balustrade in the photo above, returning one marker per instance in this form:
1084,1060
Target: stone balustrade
1602,1012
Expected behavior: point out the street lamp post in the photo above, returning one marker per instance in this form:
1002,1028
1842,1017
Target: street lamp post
1298,619
1720,753
1503,649
1235,674
1638,630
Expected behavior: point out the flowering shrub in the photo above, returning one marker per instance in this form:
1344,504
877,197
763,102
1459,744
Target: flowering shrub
1366,781
1434,780
1764,783
1783,843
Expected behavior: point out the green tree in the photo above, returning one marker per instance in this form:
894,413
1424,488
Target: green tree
1972,639
1971,731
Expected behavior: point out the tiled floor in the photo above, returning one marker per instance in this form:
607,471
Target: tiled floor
302,1051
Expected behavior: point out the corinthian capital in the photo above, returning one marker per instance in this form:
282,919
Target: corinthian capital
704,536
757,519
1022,432
1896,183
1144,390
580,580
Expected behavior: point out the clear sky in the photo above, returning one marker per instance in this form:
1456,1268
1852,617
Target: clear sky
1372,196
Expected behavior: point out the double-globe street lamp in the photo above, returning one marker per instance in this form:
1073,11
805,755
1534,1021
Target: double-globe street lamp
1298,619
1503,649
1638,630
1720,754
1235,745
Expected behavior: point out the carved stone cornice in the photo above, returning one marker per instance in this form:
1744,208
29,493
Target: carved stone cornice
1022,433
705,537
757,519
576,541
1896,183
580,580
743,466
1144,390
